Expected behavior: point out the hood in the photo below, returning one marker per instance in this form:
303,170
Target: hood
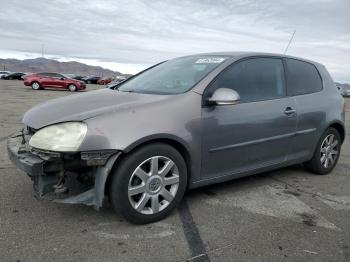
78,107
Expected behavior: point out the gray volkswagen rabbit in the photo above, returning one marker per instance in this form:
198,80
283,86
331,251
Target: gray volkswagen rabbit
184,123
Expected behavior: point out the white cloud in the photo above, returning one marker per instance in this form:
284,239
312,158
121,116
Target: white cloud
133,33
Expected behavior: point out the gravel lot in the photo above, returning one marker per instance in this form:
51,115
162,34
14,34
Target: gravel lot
285,215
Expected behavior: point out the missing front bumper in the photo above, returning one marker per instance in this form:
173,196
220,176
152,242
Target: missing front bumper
47,170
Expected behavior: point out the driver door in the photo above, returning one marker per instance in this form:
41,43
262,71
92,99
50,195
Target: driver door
46,79
257,132
59,81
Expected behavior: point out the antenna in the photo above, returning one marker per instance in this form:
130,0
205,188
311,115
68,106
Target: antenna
42,49
290,41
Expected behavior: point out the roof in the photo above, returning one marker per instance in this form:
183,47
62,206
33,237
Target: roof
242,54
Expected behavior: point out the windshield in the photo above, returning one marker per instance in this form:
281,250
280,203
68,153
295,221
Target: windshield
172,77
68,76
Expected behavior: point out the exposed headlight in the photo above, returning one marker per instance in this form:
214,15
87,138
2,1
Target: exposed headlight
65,137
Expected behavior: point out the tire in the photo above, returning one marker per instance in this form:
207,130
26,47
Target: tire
72,88
328,145
89,82
157,198
35,86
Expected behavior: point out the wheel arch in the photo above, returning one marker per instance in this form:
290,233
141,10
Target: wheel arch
39,83
35,81
71,83
339,126
170,140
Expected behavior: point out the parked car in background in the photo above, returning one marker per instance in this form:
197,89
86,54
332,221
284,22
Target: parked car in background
53,80
25,74
78,77
72,76
121,78
185,123
91,79
115,82
11,76
104,81
344,88
346,91
340,89
3,73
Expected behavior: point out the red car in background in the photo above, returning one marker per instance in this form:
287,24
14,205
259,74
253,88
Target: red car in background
104,81
53,80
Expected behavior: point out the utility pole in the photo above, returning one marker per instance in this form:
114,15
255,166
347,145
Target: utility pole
290,41
42,49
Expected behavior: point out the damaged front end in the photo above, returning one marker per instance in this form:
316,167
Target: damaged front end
72,178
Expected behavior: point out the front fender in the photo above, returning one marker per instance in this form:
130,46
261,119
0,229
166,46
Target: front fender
177,119
157,137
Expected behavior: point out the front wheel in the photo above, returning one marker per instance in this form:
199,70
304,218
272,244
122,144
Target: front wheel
148,184
72,88
35,86
327,153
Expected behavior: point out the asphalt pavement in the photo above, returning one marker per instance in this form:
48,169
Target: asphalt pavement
284,215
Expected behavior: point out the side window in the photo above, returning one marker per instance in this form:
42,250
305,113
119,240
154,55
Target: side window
52,75
254,79
302,78
57,76
45,74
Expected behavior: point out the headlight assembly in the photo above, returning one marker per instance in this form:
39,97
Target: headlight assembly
64,137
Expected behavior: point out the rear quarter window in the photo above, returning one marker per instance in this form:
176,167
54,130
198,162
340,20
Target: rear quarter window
302,78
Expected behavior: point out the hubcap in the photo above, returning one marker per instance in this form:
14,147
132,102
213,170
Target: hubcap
35,85
153,185
329,151
72,88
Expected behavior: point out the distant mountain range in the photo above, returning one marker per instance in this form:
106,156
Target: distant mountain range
343,85
49,65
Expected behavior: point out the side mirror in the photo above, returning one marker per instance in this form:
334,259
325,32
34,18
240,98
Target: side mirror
224,96
62,78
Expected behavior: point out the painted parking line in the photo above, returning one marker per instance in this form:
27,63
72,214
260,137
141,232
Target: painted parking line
192,235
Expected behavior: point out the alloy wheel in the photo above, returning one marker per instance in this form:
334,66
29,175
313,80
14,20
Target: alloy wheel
153,185
329,151
72,88
35,86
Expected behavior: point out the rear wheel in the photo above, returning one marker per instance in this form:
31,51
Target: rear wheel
327,153
149,183
35,86
72,88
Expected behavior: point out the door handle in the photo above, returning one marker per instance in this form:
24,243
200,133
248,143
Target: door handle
289,111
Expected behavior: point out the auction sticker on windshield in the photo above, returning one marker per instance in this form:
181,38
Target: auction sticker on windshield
210,60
